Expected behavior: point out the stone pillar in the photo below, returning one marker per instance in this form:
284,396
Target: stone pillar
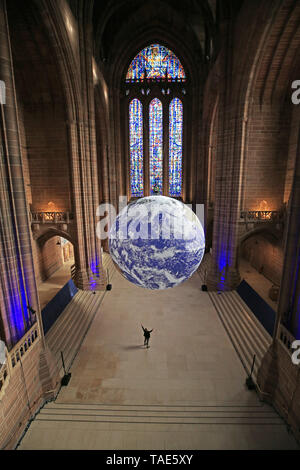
18,286
289,298
89,269
278,378
89,273
223,274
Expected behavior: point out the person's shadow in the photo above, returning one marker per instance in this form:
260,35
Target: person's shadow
133,348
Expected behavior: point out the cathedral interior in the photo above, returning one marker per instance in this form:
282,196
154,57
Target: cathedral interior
111,101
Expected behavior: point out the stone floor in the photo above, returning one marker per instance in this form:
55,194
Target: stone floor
48,289
257,281
190,362
186,362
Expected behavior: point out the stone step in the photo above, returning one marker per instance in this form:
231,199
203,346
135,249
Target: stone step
78,329
72,347
146,420
64,319
154,414
260,407
73,309
266,337
234,334
55,330
243,331
247,326
68,332
65,324
72,327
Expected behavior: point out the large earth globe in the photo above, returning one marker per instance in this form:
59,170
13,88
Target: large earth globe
157,242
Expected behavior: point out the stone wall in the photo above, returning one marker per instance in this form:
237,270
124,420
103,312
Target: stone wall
29,386
264,176
48,160
279,383
49,259
265,254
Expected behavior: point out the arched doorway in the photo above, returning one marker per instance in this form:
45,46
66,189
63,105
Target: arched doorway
54,260
260,263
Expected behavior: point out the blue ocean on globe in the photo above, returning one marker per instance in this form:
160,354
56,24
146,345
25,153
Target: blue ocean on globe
157,242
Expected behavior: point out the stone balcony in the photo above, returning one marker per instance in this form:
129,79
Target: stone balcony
261,216
255,220
42,222
50,217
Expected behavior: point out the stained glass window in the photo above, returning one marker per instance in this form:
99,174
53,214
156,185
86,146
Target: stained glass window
175,147
136,148
156,146
155,62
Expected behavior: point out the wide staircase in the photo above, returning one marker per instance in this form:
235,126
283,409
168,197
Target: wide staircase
235,425
70,329
246,333
164,415
149,427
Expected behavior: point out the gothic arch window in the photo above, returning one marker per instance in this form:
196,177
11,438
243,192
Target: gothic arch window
155,89
175,147
136,147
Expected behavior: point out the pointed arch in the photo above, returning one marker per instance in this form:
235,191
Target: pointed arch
155,62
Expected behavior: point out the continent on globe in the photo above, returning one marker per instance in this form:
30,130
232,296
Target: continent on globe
157,242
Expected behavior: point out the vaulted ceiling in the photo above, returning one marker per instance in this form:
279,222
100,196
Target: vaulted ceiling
196,21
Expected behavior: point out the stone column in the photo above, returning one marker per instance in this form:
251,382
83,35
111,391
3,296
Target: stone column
18,286
289,298
223,274
89,269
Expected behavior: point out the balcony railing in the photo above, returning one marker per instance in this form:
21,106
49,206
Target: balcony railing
261,216
50,217
3,376
23,346
156,80
286,337
16,354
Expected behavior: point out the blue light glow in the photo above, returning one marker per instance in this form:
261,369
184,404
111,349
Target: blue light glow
95,269
222,265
